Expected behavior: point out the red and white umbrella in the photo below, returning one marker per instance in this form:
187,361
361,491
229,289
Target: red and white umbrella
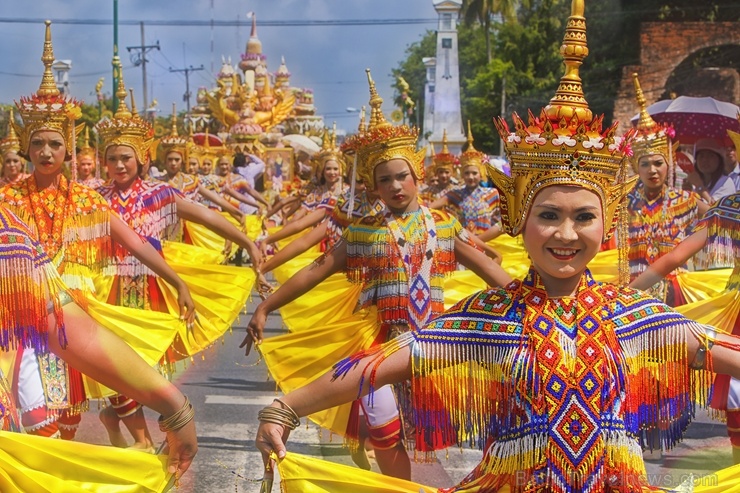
696,118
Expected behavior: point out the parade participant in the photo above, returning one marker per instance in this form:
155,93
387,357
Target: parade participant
249,166
719,233
400,257
237,187
710,180
173,151
733,166
661,216
36,312
76,228
550,374
13,166
443,165
477,207
328,158
328,171
88,173
193,166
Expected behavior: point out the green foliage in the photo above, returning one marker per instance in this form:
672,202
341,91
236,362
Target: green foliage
525,51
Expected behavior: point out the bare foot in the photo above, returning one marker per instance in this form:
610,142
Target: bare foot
110,420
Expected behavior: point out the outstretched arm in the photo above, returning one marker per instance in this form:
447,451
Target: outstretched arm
221,202
302,282
325,392
671,260
491,272
311,219
295,248
439,203
282,203
94,350
241,197
141,249
491,233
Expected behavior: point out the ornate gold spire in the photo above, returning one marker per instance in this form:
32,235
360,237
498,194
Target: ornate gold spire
564,146
381,142
651,137
363,125
48,85
86,149
11,141
569,100
173,128
472,156
445,150
445,159
126,127
329,151
48,109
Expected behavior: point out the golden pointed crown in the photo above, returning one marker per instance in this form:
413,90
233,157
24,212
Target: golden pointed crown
473,157
173,141
86,149
381,142
650,137
204,150
48,109
444,159
11,141
329,151
565,145
734,137
127,127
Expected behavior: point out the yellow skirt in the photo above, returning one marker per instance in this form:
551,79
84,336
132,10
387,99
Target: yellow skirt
46,465
302,474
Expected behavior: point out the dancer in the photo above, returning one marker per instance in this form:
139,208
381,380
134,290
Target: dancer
13,165
549,375
400,257
37,312
476,207
88,168
76,228
443,166
661,216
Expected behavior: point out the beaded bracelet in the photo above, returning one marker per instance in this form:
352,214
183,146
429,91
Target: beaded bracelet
179,419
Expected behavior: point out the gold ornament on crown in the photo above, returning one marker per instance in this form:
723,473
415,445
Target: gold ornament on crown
444,159
473,157
173,142
329,151
10,143
127,128
205,150
86,149
735,137
565,145
650,137
48,109
381,142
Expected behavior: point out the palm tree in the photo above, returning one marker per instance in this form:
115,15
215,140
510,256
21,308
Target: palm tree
483,10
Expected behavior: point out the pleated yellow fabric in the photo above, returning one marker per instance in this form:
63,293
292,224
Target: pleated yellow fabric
285,241
701,285
303,474
205,238
720,311
298,358
45,465
193,254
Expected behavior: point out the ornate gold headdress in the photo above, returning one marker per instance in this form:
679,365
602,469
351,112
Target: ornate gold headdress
382,142
650,137
127,127
564,146
173,142
86,149
47,109
204,150
734,136
444,159
473,157
11,141
329,151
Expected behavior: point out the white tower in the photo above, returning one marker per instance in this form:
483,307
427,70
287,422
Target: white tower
445,91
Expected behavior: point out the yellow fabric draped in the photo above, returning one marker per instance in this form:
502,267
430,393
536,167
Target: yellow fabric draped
45,465
720,311
298,358
303,474
205,238
701,285
191,254
285,241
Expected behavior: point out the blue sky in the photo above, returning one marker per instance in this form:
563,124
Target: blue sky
329,59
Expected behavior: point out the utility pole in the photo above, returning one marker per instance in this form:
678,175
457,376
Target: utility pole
187,70
116,61
139,58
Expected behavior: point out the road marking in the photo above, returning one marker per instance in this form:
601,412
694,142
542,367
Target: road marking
262,400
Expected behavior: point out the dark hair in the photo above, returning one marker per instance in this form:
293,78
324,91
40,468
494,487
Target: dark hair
711,180
240,160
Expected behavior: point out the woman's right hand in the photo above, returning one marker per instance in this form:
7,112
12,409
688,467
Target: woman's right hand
182,445
270,438
255,329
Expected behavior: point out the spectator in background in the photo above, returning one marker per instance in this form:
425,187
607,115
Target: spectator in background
732,166
710,180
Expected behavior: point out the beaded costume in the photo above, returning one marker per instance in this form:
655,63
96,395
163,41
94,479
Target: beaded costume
478,208
341,217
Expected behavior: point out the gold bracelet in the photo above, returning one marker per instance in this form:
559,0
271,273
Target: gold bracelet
179,419
285,406
279,416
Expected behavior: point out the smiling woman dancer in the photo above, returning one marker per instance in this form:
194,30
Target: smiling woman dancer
549,375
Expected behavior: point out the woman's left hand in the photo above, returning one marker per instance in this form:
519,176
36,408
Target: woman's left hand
271,437
187,306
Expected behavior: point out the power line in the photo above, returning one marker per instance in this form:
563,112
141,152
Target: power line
223,23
